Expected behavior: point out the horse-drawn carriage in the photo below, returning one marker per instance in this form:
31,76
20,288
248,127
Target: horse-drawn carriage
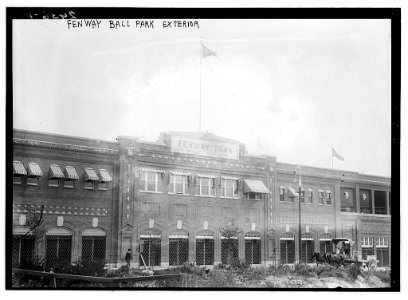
342,253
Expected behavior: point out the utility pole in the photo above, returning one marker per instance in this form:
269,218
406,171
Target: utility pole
300,214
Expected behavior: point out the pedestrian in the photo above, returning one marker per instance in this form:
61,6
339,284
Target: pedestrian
128,257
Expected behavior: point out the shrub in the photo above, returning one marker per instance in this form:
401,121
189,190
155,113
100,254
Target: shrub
240,265
353,271
303,270
221,278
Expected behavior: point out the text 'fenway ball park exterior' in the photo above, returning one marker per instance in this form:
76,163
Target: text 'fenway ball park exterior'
77,198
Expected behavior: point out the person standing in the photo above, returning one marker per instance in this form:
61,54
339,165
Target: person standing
128,257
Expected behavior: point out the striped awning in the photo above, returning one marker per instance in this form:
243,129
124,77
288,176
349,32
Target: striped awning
182,173
310,190
325,237
292,191
328,192
287,237
34,170
150,236
203,237
18,168
206,175
142,169
178,236
104,175
255,186
56,172
307,237
229,178
71,173
93,232
90,175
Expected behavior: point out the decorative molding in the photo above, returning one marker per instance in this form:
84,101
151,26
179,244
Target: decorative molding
61,210
305,220
66,147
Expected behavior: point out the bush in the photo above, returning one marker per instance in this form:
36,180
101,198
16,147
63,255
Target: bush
353,271
240,265
221,278
279,270
303,270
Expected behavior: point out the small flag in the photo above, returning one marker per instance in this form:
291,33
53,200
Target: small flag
336,155
207,52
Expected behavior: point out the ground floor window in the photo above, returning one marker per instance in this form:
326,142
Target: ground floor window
229,250
205,251
150,251
366,252
58,249
325,247
383,257
178,251
23,249
307,251
253,251
287,251
93,247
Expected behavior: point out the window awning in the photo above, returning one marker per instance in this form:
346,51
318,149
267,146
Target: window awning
310,190
71,173
282,187
255,186
292,191
56,172
104,175
90,175
320,191
328,192
93,232
18,168
34,170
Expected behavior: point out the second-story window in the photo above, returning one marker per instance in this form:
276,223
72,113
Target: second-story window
56,175
329,197
178,184
282,193
321,197
34,173
229,187
206,186
310,196
152,181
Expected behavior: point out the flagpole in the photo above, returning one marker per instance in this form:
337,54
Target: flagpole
201,54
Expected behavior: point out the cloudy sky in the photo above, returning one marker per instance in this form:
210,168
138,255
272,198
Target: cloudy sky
289,88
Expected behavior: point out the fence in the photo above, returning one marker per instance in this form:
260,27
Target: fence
106,282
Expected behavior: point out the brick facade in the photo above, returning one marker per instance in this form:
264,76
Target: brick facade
129,216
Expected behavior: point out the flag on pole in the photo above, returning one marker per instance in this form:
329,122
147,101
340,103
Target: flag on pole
206,51
336,155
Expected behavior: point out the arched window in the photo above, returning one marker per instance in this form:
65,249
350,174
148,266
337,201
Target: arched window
93,244
287,248
58,246
178,247
253,248
150,248
307,247
205,248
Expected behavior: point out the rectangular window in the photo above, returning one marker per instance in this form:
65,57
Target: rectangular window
347,200
206,187
93,248
310,198
54,182
88,185
152,182
229,188
178,184
282,194
253,196
70,184
321,197
17,180
379,203
365,202
102,186
23,249
32,180
328,198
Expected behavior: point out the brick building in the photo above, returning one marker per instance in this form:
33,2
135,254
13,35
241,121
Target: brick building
167,201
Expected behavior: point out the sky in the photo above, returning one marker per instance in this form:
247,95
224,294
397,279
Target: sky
287,88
